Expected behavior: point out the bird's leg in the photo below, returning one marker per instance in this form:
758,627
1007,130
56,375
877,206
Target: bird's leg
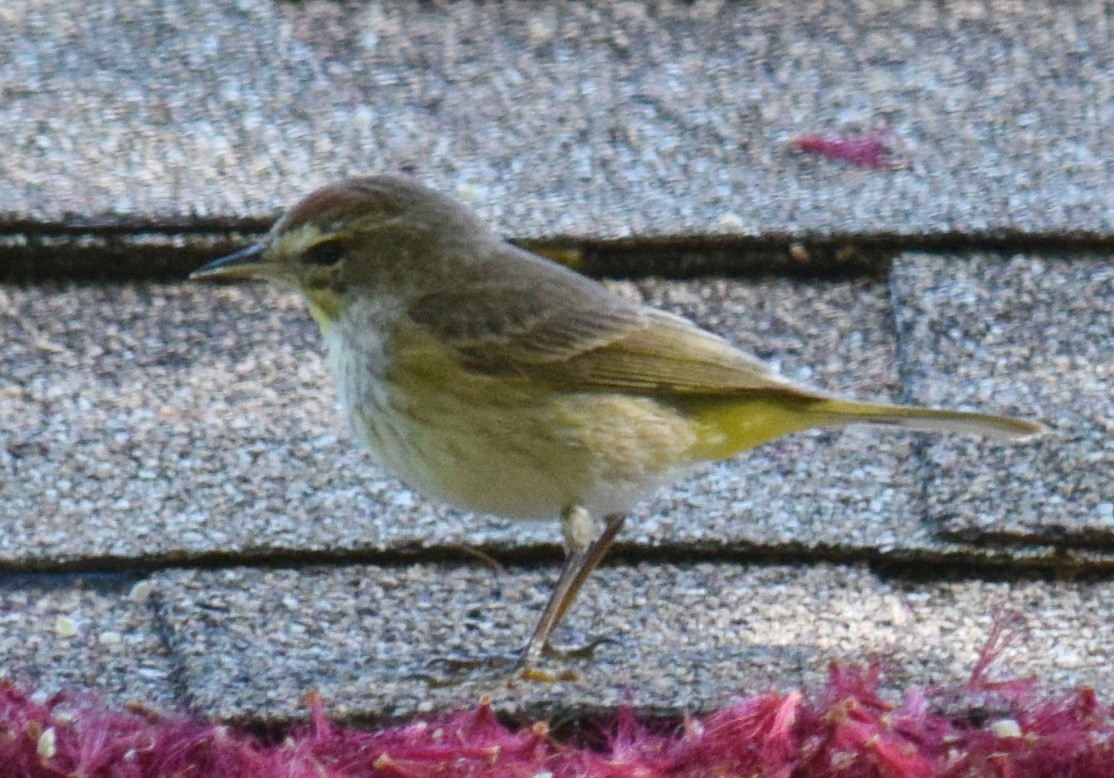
582,556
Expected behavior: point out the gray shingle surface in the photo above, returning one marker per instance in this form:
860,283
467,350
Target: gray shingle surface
253,642
93,632
590,120
144,424
196,419
1028,334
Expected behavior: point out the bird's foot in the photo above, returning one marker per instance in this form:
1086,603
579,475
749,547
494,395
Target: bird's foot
443,671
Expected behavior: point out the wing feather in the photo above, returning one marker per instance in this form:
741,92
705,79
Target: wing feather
553,325
669,355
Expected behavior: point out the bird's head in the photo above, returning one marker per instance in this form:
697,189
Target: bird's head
379,233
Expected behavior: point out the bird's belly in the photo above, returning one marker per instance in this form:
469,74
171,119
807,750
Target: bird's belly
523,454
503,445
467,457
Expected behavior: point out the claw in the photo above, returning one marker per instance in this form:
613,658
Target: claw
444,671
586,651
461,664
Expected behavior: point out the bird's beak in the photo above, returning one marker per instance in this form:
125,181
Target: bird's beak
245,263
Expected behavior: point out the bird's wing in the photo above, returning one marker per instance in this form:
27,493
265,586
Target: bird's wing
669,355
571,332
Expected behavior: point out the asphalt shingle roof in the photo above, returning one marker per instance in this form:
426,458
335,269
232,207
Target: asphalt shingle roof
1030,335
689,635
586,120
183,438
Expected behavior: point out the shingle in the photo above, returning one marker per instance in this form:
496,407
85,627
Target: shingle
85,632
585,120
162,422
253,642
1026,334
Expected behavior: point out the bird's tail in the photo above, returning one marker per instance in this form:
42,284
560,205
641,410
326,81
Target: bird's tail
726,427
836,412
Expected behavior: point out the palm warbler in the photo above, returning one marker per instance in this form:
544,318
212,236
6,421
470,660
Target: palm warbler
498,381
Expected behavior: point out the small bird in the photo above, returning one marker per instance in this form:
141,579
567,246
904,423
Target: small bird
498,381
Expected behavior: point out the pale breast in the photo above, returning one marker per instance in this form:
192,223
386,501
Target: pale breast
496,445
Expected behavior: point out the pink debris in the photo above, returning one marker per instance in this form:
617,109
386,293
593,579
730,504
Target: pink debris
846,730
871,150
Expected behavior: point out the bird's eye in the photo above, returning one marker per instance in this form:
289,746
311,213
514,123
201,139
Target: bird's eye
326,252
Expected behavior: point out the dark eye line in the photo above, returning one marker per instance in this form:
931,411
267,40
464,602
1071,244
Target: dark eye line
325,252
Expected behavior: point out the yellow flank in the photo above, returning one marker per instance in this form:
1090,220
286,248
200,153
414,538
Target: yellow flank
728,425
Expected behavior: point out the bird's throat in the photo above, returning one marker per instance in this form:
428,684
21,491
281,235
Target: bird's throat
324,307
